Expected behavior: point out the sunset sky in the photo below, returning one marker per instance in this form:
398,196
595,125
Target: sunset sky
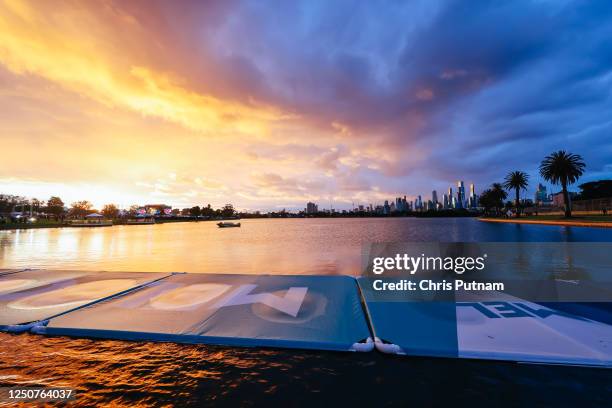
271,104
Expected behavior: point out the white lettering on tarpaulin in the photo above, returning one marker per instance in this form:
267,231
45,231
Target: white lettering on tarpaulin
188,297
289,304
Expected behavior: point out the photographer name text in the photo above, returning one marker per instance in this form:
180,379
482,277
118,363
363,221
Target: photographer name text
431,285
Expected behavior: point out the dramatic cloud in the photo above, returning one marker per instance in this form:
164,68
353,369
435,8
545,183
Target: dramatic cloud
274,103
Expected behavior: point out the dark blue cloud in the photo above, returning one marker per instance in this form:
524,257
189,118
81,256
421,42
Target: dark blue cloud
494,86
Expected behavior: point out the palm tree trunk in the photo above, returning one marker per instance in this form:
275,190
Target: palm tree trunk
517,203
566,202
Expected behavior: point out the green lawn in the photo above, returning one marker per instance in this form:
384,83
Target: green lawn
37,224
576,218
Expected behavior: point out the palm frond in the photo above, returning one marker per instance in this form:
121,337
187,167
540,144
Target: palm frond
562,167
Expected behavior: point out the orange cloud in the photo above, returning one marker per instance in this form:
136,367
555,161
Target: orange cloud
99,104
55,45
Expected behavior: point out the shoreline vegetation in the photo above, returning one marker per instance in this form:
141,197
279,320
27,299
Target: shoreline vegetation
48,223
559,168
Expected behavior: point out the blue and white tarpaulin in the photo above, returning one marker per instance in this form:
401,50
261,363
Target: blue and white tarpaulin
510,328
503,328
309,312
34,295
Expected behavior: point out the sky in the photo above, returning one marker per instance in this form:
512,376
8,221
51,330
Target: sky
270,104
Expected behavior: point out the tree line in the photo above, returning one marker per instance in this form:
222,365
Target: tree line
559,168
55,207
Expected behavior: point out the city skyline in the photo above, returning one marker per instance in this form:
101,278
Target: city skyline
272,106
405,203
542,193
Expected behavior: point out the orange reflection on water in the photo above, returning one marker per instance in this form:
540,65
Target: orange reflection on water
258,247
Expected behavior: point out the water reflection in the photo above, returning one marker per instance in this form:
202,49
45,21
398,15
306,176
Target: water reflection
117,373
281,246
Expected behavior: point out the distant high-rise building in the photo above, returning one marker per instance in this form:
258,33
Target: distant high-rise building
473,198
541,196
445,203
451,199
386,207
401,204
460,194
311,208
434,197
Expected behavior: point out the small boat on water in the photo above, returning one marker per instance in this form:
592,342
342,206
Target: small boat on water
228,224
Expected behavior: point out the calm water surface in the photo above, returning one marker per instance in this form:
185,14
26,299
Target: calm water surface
281,246
148,374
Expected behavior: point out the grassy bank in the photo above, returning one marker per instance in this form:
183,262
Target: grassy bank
596,221
59,224
37,224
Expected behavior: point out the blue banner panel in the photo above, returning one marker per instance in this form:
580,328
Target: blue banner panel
502,328
309,312
34,295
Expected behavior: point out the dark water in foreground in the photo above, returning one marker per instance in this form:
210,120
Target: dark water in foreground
149,374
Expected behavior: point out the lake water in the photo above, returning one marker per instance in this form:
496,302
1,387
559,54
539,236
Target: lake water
275,246
148,374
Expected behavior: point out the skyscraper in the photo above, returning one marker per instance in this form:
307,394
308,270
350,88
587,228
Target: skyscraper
451,199
541,196
445,203
473,198
386,208
434,197
311,208
460,194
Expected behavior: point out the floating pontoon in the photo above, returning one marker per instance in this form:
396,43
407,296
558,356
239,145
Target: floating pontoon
303,312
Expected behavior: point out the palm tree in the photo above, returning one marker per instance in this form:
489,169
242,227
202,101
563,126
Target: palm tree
562,168
517,181
498,195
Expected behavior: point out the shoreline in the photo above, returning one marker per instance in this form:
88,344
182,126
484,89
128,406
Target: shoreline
559,223
16,226
8,227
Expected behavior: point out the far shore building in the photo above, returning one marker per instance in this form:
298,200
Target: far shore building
460,194
386,208
311,208
558,200
157,209
473,202
541,197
